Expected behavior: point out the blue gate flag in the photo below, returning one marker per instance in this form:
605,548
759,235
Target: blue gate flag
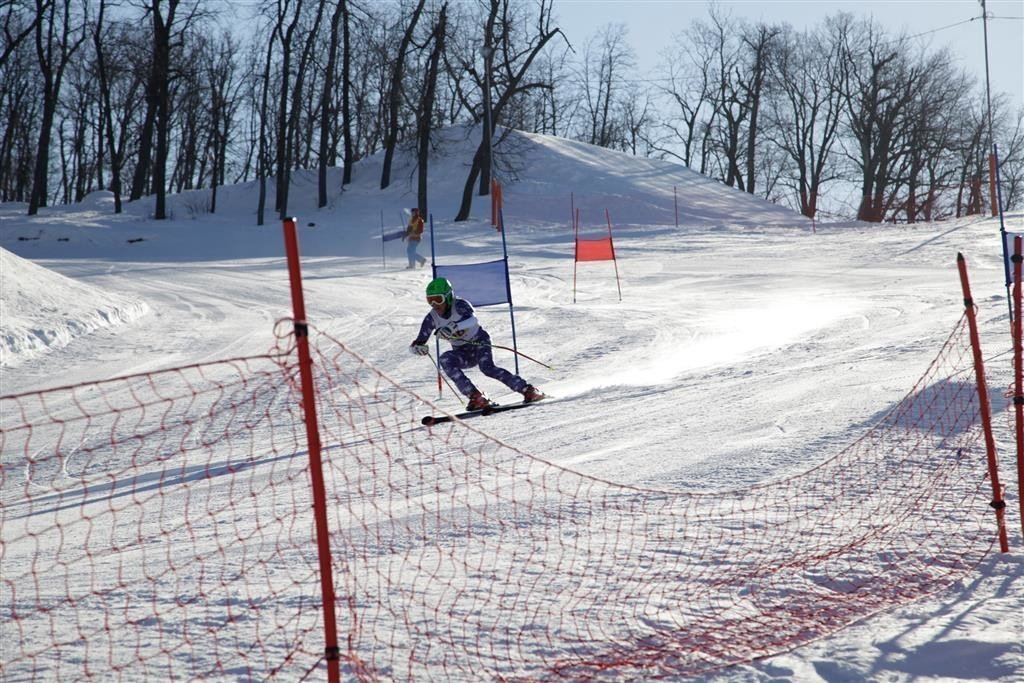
481,284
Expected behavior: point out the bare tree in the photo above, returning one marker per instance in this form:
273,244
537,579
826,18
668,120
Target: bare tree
327,155
547,110
348,157
223,86
513,57
931,133
287,29
79,147
107,109
603,86
1011,163
804,119
20,114
881,87
16,29
395,94
426,109
57,39
638,120
731,103
760,41
687,70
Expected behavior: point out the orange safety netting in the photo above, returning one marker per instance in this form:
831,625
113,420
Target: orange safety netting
160,526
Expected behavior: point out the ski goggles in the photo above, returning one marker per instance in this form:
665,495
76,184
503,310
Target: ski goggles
435,299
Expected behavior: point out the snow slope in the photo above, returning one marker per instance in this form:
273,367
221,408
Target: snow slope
748,343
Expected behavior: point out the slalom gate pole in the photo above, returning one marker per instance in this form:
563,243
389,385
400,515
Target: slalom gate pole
576,250
1018,374
433,274
611,243
675,201
437,366
983,406
814,212
331,651
572,209
508,287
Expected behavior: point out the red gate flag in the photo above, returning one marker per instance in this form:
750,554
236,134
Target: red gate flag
595,250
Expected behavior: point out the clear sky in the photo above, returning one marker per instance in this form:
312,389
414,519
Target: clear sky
652,25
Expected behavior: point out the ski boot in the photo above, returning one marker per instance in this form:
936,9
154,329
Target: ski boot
477,401
531,394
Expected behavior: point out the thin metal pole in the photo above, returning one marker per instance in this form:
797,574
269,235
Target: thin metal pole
988,100
331,651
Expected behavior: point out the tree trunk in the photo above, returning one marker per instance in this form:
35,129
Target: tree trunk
107,111
467,191
326,115
395,96
427,111
346,105
282,159
53,53
161,79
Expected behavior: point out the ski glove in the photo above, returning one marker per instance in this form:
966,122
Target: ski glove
418,349
451,331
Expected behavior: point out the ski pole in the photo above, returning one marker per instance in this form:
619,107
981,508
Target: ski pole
507,348
520,353
441,376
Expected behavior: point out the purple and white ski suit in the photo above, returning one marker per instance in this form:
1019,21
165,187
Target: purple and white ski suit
473,349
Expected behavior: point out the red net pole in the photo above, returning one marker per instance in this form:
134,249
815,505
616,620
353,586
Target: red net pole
1018,374
313,437
983,406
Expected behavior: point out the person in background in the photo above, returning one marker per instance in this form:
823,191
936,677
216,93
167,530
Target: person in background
413,234
453,319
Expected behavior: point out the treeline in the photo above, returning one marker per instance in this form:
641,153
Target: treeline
150,97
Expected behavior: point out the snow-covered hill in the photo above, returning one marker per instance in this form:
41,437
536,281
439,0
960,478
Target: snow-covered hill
747,345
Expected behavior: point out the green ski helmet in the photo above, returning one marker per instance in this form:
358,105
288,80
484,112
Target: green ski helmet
439,286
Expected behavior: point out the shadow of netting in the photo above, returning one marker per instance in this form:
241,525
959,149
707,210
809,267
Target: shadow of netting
458,555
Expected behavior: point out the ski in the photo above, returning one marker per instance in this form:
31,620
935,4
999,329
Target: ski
431,420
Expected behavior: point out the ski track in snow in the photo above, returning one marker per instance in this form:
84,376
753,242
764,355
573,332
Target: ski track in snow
735,356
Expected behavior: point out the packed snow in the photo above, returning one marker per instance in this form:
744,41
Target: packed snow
750,342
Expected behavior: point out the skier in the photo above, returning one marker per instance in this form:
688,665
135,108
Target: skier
453,319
